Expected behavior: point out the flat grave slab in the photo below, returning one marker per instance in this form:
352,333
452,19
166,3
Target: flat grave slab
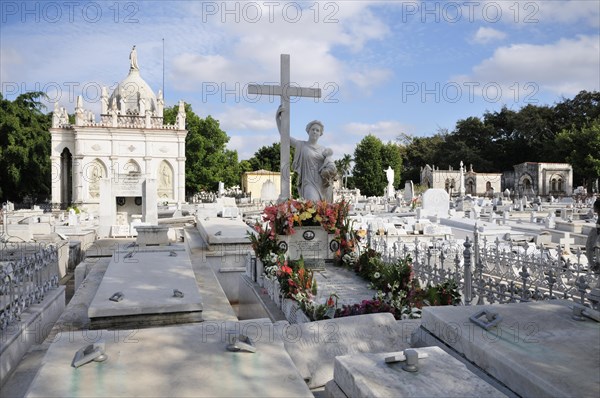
537,349
314,346
147,279
438,375
177,361
218,231
351,288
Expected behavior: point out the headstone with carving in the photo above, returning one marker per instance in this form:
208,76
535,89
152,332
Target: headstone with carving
436,201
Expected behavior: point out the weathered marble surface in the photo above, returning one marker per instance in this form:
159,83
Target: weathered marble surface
147,284
537,350
314,346
439,375
176,361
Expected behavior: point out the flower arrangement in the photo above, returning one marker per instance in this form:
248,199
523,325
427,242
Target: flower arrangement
416,201
295,279
264,244
397,289
283,217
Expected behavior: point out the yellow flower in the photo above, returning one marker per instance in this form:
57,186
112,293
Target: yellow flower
318,218
305,216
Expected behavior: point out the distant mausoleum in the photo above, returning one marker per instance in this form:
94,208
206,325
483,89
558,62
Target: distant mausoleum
112,165
529,179
482,184
543,179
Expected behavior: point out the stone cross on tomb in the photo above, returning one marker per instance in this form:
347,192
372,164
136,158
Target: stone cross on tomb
285,90
566,242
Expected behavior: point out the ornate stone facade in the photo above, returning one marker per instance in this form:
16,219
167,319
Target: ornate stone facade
128,144
481,184
544,179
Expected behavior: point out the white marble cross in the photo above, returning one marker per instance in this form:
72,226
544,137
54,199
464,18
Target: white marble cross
566,242
285,91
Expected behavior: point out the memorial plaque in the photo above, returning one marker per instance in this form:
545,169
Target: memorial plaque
128,184
310,243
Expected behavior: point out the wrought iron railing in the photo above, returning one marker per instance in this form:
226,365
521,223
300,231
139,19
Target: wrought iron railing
25,280
498,272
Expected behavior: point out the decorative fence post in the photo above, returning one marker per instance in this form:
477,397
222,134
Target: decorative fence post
468,276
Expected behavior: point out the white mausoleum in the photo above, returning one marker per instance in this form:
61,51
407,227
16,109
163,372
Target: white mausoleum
114,164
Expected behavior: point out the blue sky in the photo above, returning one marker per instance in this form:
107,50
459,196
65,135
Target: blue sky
384,67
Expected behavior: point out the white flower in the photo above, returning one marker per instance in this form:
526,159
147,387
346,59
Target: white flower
376,275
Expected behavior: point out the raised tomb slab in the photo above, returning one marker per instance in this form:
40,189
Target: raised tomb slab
438,375
146,279
178,361
537,349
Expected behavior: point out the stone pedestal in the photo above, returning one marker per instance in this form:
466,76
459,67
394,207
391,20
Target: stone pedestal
152,235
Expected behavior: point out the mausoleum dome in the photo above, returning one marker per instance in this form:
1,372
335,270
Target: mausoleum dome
133,92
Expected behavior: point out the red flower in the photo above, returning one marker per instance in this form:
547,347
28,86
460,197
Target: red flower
286,270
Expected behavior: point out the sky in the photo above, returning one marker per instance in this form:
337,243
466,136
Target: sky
384,68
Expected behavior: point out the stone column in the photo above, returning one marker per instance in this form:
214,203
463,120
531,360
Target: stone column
180,194
77,172
150,201
56,179
107,211
180,180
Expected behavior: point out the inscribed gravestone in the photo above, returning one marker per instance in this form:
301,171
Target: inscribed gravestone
314,346
409,191
436,201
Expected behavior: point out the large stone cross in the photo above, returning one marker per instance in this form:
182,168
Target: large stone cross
285,91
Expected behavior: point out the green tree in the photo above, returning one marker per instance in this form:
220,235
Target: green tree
207,160
368,172
266,158
343,166
581,148
24,149
470,143
391,156
578,112
416,152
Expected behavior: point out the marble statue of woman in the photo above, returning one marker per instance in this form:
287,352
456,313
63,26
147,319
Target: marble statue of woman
133,60
312,162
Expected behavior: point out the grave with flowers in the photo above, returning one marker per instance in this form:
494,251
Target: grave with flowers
354,280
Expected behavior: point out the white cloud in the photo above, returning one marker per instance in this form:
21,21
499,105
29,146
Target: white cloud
245,118
370,78
386,130
312,40
564,67
529,14
564,12
247,145
486,35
